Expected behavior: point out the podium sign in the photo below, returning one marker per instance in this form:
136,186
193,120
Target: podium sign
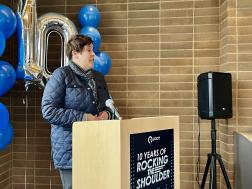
152,160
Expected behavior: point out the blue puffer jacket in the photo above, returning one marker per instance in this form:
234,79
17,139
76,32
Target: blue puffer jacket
66,98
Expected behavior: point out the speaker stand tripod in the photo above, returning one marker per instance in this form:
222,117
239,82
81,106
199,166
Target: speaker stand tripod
211,163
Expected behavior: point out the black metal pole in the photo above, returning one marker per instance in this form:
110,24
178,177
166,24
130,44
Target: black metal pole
213,136
213,180
213,157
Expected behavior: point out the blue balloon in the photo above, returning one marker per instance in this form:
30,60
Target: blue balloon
6,137
20,73
4,117
2,43
8,21
7,77
102,62
94,34
89,16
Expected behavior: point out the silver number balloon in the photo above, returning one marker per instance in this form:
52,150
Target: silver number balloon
35,34
48,23
29,20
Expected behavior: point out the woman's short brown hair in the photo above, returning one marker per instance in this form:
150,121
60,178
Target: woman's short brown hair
77,43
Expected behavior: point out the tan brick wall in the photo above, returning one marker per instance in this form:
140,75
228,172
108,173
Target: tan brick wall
236,58
158,48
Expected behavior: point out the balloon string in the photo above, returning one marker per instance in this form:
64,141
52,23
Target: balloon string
50,173
26,135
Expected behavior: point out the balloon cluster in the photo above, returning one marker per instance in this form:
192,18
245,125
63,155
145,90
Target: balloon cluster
6,131
8,25
89,18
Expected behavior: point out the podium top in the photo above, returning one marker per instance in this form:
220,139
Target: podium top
134,125
133,119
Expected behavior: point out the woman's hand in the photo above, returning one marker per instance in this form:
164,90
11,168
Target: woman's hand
103,115
91,117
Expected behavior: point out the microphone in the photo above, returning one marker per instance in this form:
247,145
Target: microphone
110,104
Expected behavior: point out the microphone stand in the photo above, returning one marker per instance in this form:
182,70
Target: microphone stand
211,162
114,114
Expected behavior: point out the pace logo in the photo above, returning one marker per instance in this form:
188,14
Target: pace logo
152,139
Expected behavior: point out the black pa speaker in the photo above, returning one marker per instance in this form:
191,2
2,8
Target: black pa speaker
215,95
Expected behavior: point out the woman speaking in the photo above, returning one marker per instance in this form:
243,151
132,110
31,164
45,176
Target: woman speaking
73,93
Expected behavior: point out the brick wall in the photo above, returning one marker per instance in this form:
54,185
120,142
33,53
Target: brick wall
158,48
